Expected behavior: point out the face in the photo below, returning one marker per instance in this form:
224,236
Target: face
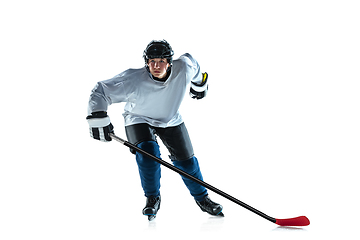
158,67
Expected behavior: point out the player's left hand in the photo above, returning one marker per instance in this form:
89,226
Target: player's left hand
199,91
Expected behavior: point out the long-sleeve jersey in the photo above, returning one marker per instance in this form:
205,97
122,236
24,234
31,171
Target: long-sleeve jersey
147,100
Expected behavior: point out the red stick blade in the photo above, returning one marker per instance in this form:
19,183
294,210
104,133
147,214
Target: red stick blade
298,221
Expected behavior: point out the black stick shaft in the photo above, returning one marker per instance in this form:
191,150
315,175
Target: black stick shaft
185,174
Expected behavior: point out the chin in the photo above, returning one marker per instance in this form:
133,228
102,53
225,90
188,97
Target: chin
158,75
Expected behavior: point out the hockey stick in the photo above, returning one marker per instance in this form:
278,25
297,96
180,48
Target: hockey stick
297,221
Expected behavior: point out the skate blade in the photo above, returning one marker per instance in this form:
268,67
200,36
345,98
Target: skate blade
151,217
221,214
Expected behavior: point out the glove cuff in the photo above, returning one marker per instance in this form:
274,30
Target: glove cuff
99,122
198,91
200,87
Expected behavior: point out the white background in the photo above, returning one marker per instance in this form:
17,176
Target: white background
279,128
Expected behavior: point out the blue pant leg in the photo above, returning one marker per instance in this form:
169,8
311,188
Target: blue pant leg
149,170
191,166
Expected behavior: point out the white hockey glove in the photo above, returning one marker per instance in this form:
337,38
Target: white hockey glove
198,91
100,126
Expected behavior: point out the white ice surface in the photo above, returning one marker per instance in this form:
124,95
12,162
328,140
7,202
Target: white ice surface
278,130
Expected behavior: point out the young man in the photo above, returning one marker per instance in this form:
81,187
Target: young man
153,95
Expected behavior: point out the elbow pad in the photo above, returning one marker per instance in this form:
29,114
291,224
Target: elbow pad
198,91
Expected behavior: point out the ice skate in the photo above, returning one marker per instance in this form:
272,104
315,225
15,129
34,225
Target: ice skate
210,207
152,207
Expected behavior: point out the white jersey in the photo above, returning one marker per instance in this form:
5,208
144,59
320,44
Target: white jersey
147,100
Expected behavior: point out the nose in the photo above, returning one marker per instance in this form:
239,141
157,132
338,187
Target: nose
157,65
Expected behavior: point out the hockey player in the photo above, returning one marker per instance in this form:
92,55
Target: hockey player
153,95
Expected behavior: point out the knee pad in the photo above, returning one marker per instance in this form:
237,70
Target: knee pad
151,147
190,166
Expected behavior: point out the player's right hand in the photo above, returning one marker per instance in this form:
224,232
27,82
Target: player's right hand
100,126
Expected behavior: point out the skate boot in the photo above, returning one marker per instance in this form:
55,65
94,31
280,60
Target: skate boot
152,207
210,207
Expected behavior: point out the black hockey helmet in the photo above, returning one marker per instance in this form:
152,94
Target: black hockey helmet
158,49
